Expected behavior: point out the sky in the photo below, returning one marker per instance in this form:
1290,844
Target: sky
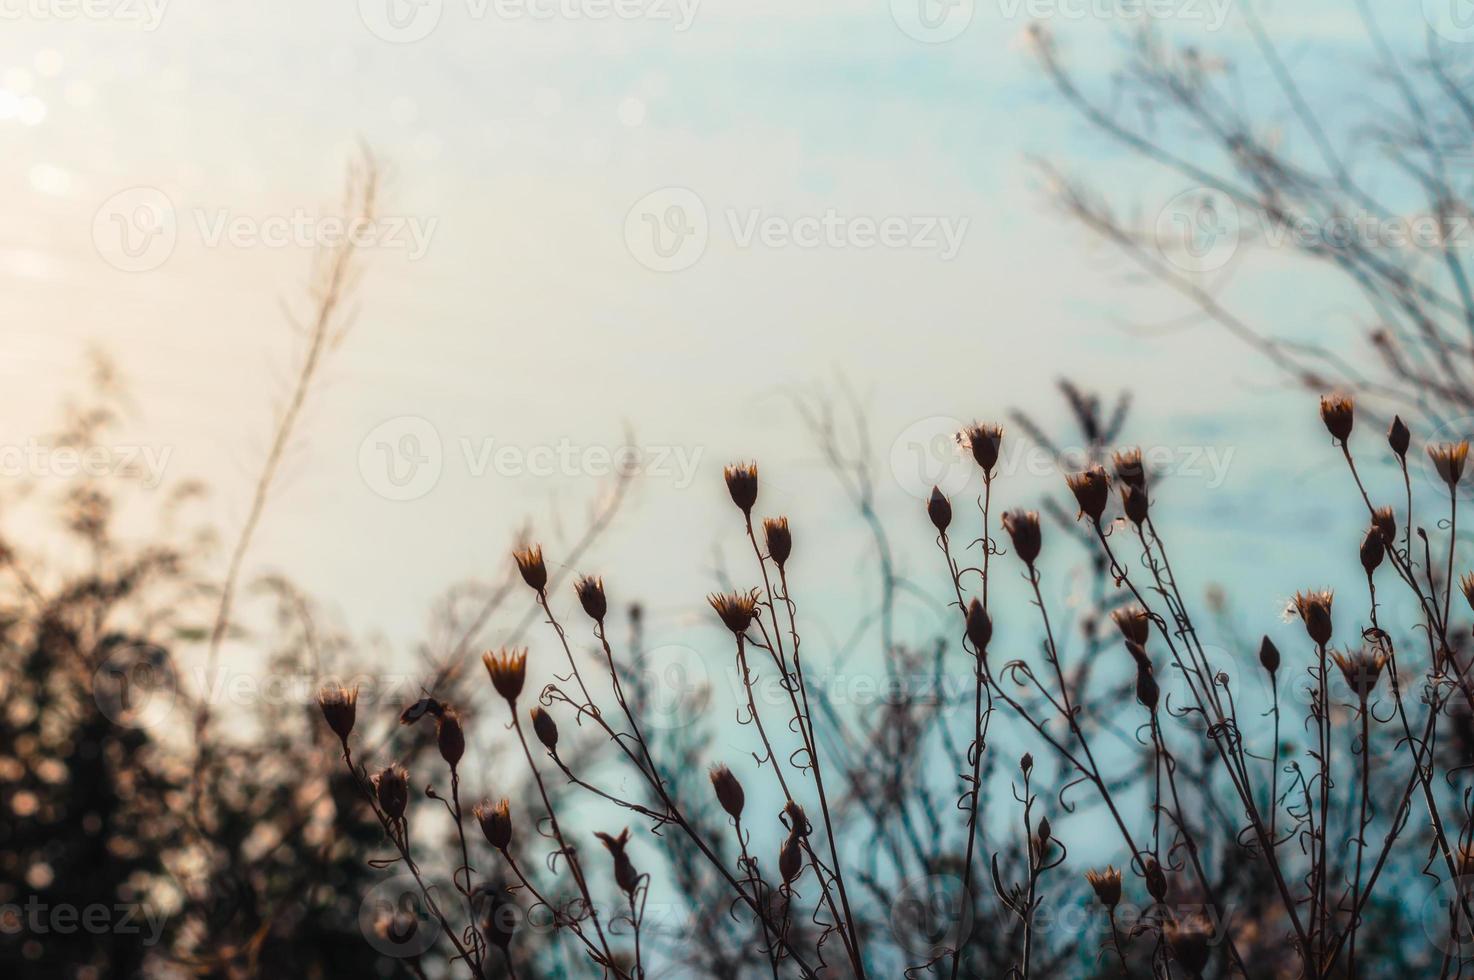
671,216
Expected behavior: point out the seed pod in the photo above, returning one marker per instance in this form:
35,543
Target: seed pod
1129,469
391,786
1135,503
1147,691
1269,655
979,627
798,821
742,485
546,729
1386,524
339,708
1372,549
939,509
1092,489
450,737
778,539
1336,412
1314,608
1041,841
1398,437
1107,885
590,593
496,822
625,875
1466,586
1134,623
984,440
508,671
530,564
1023,529
1026,763
728,790
790,859
1156,882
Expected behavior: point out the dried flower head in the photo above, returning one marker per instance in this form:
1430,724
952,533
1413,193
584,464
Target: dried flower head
1336,411
545,728
1386,524
798,821
1398,437
1362,670
590,592
778,539
736,609
508,670
530,564
1092,489
984,439
625,874
939,509
450,737
1372,549
979,627
1040,845
1026,763
1107,885
1134,623
339,706
742,485
728,790
1129,469
495,821
1448,459
1023,529
1156,881
1314,608
1189,939
1466,586
1269,655
1147,690
391,786
1135,503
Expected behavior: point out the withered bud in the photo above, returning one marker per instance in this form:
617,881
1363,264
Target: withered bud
1107,885
508,670
984,440
1092,489
496,822
1139,655
1023,529
1129,469
1398,437
1026,763
1039,846
1269,655
728,790
391,786
1134,623
625,875
790,859
979,627
1135,503
939,509
1466,586
798,821
530,564
1189,941
590,592
545,728
1386,524
742,485
1448,459
1362,670
736,609
1314,608
1147,691
450,737
778,539
1336,412
1372,549
1156,881
339,706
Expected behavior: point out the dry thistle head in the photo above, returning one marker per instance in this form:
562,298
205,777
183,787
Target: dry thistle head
790,858
1314,608
742,485
545,728
1129,469
979,627
1448,459
496,822
1372,549
339,706
508,671
984,439
728,790
590,591
1466,586
1362,670
778,539
798,821
1156,881
1092,489
625,874
939,509
530,564
1336,411
1269,655
1386,524
391,786
1398,437
450,737
1134,623
1107,885
1189,940
736,609
1023,529
1135,503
